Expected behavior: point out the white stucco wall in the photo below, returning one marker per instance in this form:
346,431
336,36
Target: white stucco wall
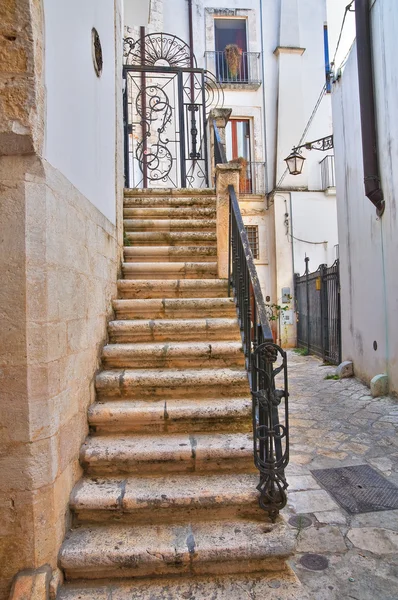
81,111
369,245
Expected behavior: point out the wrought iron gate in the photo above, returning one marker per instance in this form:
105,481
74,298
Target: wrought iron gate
166,103
318,312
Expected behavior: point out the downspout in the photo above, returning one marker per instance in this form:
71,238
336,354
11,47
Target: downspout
190,29
264,100
367,103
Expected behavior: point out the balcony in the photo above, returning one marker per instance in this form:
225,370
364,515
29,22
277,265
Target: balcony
252,179
248,74
328,174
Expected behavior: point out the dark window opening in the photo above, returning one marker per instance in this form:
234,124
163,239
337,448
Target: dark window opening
231,50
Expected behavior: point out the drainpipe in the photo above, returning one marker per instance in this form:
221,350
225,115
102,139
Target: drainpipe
264,102
367,103
190,29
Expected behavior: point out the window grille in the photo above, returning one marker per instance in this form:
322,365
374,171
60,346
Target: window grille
252,234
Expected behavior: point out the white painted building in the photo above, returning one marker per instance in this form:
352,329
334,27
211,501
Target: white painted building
272,96
368,243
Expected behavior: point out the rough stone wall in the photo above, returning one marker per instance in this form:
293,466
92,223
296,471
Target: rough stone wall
58,263
21,76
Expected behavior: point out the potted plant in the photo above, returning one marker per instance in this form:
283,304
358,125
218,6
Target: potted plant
233,57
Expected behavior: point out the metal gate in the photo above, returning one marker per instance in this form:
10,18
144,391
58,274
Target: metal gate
166,102
318,310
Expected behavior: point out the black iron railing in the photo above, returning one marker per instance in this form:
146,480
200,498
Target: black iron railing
246,72
266,362
318,310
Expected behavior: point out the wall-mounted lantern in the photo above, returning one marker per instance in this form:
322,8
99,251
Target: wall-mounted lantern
295,161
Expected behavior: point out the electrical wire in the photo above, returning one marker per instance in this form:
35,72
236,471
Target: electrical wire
289,235
345,59
347,9
318,102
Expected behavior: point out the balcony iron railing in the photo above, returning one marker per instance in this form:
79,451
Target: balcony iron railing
252,178
327,172
266,362
248,71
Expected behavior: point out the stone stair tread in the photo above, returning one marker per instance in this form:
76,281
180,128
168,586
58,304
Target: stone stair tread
174,329
158,308
170,270
101,551
169,253
135,493
166,192
132,355
170,452
169,212
123,380
172,288
169,224
192,414
270,586
171,238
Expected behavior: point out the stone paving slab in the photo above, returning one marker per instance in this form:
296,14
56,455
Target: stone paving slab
336,423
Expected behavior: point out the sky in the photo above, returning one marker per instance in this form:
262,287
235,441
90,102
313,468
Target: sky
336,10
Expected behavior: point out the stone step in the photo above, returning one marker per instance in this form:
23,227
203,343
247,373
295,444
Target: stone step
170,201
170,270
169,224
174,355
120,551
167,330
167,453
169,212
282,585
170,253
171,383
174,308
171,238
172,288
153,500
162,416
168,192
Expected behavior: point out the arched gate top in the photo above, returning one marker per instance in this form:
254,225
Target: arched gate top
160,49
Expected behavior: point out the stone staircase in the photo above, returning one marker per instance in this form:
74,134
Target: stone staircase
169,485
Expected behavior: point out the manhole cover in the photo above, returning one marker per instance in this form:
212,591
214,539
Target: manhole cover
314,562
359,489
300,522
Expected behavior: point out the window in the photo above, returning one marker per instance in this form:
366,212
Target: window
230,31
252,234
237,137
231,50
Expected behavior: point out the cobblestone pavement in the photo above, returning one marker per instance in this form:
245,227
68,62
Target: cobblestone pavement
337,424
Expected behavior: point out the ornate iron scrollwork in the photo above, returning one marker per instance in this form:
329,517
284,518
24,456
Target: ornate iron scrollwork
271,436
166,135
160,49
156,156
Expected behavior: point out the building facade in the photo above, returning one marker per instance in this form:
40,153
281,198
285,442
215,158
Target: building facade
281,55
368,242
61,183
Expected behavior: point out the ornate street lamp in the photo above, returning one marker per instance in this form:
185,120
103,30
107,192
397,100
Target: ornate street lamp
295,161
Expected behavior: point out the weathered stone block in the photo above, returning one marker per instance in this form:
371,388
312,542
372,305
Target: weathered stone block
379,385
32,585
345,369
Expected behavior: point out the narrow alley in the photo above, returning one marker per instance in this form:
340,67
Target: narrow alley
336,423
